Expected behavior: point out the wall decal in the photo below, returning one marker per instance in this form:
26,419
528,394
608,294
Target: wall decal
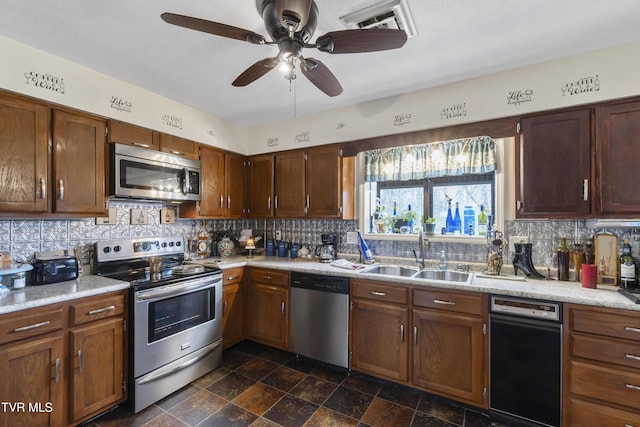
340,126
582,85
212,133
139,216
45,81
173,121
120,104
272,142
517,97
455,110
402,119
304,136
167,216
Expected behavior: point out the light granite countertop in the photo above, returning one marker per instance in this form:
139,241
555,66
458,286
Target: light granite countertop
552,290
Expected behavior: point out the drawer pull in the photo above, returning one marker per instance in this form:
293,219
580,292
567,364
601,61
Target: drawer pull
102,310
233,277
632,387
80,360
415,335
177,153
402,333
632,356
439,301
267,277
139,144
34,326
56,378
631,329
378,294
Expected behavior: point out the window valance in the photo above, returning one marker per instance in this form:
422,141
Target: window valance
448,158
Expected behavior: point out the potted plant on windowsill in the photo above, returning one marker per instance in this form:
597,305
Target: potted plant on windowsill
429,225
403,222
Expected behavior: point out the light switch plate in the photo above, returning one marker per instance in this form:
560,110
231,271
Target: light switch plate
278,235
516,239
352,238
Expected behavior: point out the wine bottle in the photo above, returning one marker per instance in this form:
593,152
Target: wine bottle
563,260
367,256
482,222
627,267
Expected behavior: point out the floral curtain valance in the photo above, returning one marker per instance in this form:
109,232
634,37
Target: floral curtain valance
448,158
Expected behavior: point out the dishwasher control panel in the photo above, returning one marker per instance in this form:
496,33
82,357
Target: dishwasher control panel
527,308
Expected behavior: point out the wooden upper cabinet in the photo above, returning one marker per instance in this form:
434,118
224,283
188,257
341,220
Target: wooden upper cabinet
553,166
178,146
618,149
290,184
261,178
324,182
79,163
24,159
212,182
234,183
126,133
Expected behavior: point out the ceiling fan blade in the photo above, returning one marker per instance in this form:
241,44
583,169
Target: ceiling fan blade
211,27
356,41
297,9
320,76
256,71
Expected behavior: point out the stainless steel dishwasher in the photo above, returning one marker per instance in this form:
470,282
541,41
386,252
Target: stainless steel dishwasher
320,318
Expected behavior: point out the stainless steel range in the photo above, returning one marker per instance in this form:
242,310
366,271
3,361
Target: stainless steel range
175,313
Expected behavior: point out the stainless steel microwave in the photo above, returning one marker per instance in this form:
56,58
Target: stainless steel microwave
153,175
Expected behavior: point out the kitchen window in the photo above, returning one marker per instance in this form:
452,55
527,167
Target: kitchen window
401,187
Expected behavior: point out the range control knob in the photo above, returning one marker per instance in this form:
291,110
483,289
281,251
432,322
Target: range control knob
170,244
117,248
164,244
106,249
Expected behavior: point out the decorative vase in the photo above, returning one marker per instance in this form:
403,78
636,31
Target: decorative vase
429,227
225,247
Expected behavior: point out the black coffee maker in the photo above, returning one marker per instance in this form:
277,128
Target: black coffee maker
328,251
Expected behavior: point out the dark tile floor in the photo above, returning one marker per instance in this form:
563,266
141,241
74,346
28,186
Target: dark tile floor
262,386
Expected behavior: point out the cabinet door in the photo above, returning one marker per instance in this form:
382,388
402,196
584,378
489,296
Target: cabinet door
324,182
126,133
234,185
553,167
618,145
33,373
378,339
269,318
232,331
24,162
448,355
290,187
212,182
261,174
178,146
79,159
96,367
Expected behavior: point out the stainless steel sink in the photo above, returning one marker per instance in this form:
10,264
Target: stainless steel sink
444,275
391,270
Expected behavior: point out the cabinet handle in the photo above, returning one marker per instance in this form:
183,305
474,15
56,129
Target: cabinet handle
439,301
178,153
519,205
56,377
221,201
378,294
102,310
233,277
402,333
34,326
228,202
633,387
61,188
140,144
80,360
224,307
308,201
267,277
43,188
282,308
585,190
632,356
269,202
275,202
415,335
631,329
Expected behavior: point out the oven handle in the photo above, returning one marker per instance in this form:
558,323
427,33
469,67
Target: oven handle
166,371
175,290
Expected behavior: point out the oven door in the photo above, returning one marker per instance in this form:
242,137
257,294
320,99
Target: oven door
175,320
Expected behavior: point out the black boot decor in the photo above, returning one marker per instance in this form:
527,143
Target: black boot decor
522,260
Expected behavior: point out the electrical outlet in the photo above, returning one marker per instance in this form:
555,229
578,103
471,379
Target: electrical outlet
352,238
516,239
278,235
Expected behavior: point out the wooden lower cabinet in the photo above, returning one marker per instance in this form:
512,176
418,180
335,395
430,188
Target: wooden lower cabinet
268,305
232,307
67,361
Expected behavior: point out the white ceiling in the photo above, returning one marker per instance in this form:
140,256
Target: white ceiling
457,40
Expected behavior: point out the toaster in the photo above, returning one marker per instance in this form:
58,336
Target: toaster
54,270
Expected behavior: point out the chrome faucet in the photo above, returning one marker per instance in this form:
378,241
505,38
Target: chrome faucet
423,245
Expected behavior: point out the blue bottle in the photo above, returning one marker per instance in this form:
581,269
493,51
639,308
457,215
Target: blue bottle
449,223
469,220
367,256
457,221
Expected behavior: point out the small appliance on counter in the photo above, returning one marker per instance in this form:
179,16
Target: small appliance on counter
53,270
328,250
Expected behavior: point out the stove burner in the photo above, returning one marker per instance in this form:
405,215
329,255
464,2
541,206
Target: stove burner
188,269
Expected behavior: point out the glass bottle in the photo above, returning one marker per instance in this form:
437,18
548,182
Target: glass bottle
577,256
589,255
457,221
627,270
482,222
409,215
449,223
563,260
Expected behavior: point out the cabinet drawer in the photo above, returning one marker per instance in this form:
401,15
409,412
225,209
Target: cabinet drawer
588,414
379,292
30,323
605,322
449,301
272,277
98,308
605,350
232,275
178,146
598,382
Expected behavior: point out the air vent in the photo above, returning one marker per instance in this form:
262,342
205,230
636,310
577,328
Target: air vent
393,14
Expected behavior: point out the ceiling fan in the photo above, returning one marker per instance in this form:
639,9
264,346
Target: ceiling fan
291,24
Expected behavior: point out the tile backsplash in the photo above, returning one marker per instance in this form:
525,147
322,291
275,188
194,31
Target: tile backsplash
23,238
